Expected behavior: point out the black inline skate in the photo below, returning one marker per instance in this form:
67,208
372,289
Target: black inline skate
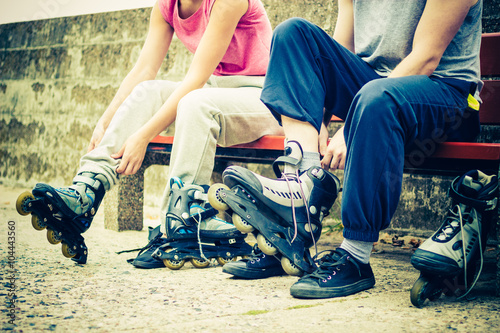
65,212
195,233
448,259
285,213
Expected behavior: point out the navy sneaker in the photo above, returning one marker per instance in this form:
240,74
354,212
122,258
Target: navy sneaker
144,258
257,266
339,274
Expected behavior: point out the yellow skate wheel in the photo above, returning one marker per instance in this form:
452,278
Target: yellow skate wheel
174,264
21,202
67,251
222,261
265,246
290,267
241,224
36,223
200,263
214,197
417,295
53,237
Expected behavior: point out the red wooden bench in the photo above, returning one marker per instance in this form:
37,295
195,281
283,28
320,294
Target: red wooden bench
125,206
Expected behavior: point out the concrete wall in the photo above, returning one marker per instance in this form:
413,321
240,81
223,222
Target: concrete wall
57,76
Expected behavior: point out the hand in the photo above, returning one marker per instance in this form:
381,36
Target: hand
96,136
334,157
132,154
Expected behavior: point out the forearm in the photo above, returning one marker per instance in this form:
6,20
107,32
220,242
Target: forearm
415,64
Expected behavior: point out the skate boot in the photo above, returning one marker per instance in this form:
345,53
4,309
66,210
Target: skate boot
447,260
286,213
66,212
195,233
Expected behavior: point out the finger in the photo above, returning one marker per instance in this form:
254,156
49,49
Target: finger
342,162
322,147
325,162
334,164
118,154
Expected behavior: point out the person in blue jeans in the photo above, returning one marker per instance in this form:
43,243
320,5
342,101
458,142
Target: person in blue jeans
400,74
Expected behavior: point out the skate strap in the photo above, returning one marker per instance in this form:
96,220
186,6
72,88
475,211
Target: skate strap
200,216
94,181
282,160
481,205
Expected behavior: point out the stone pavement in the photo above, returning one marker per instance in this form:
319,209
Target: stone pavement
109,295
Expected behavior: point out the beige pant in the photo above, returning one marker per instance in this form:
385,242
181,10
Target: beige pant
226,112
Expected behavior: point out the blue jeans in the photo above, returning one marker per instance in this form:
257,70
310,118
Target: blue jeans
311,77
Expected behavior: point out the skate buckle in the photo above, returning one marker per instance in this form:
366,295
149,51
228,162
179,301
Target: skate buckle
491,204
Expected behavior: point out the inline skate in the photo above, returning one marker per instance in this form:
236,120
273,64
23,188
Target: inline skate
66,212
193,232
284,213
448,259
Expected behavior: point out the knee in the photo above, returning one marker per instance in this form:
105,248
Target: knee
195,105
142,92
375,101
290,27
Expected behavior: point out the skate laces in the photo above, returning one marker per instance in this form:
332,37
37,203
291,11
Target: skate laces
464,253
155,242
296,177
198,222
456,224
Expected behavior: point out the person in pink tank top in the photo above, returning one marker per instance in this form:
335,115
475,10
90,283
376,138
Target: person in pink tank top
217,103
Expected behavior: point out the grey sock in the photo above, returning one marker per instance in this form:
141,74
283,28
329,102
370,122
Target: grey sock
309,159
359,250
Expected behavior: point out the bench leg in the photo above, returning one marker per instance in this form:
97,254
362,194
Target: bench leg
123,205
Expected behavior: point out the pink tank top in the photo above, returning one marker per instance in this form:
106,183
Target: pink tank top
248,52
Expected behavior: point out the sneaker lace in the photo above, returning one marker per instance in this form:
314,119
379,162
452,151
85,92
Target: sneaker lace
456,220
329,265
256,254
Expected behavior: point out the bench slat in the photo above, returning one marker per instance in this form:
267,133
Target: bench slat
489,112
489,54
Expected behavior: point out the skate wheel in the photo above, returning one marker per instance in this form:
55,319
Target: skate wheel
21,202
67,251
200,263
36,223
241,224
53,237
174,264
290,267
265,246
222,261
214,197
417,295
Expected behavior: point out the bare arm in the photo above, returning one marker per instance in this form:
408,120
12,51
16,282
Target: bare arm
334,152
150,59
439,23
213,45
344,29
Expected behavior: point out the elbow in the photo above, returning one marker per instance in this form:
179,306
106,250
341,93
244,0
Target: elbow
430,65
